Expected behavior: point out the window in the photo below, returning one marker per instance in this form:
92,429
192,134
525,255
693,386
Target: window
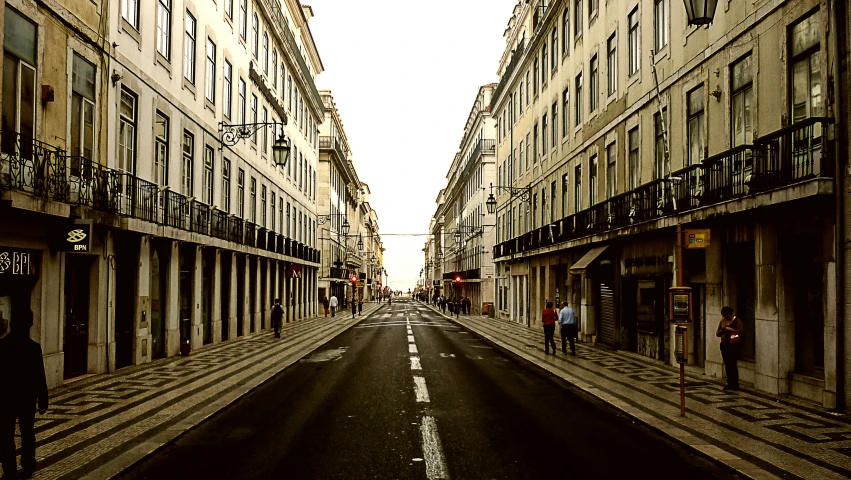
209,158
634,160
186,176
272,211
554,48
528,97
264,148
289,230
544,135
283,82
211,71
592,180
229,9
189,49
243,24
281,214
275,68
240,193
611,170
742,88
659,133
226,91
806,69
593,5
577,18
127,132
266,52
535,85
521,98
565,31
594,92
565,194
577,188
130,12
544,64
255,29
632,39
565,100
240,107
82,108
612,64
252,197
161,149
164,28
553,201
660,14
577,116
555,123
528,150
543,206
254,116
289,93
696,136
535,145
226,185
263,206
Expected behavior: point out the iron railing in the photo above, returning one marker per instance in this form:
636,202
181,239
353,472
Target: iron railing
790,155
31,166
516,56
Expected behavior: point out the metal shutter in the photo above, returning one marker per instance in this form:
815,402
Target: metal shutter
607,315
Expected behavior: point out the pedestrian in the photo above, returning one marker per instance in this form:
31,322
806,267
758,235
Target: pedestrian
24,388
325,305
567,326
354,307
731,330
277,317
360,306
333,303
443,304
548,319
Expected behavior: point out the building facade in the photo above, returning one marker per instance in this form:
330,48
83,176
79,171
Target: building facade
618,124
186,220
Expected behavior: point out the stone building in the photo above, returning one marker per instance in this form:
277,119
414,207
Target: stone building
164,164
461,227
350,243
618,123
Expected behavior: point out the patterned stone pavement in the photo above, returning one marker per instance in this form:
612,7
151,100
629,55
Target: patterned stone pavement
97,427
759,435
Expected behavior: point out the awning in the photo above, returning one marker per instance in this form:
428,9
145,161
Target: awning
588,258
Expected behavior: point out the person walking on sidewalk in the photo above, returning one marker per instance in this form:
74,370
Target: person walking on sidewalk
730,329
567,326
333,303
277,317
22,387
360,305
548,319
325,305
354,307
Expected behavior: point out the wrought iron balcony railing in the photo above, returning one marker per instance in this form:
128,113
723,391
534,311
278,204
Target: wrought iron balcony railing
788,156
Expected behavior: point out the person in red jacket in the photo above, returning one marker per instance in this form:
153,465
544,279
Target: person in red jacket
548,318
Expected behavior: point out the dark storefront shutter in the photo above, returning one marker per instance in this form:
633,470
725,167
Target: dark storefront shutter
607,315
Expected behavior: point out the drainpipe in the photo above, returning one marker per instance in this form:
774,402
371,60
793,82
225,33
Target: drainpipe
836,16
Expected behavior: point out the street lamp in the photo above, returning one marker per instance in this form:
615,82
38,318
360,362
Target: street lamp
345,228
457,236
491,204
360,243
525,194
281,150
700,12
231,135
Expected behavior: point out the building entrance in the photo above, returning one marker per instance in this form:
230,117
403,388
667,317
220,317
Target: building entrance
77,283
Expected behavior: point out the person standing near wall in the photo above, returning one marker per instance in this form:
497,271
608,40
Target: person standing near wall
333,303
23,388
567,325
730,330
548,319
277,317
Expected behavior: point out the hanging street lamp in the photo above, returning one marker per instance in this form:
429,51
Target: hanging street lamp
700,12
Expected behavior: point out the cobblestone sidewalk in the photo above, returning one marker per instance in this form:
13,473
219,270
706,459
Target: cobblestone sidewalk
96,428
759,435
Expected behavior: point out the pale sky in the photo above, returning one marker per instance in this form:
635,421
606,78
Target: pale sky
404,76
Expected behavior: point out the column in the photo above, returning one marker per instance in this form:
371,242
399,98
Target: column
260,294
196,334
588,315
234,297
216,301
768,376
172,301
831,355
142,330
713,363
246,298
101,350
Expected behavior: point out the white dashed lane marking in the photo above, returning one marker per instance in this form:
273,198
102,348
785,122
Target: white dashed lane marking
421,390
415,363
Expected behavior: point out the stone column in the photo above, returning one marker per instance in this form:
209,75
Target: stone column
831,356
196,334
770,371
101,350
259,297
172,301
588,315
713,363
142,332
234,298
267,298
246,297
216,301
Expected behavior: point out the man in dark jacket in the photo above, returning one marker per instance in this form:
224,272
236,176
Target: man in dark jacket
277,317
22,386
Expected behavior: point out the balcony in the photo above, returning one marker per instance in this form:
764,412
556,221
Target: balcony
46,172
516,56
789,156
333,143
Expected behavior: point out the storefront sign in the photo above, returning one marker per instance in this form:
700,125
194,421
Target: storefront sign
16,262
698,238
294,271
75,237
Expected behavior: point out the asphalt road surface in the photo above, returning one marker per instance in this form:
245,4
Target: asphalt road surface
406,394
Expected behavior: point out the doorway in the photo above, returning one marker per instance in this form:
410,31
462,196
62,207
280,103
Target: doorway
77,292
240,295
207,263
186,264
226,266
125,300
158,295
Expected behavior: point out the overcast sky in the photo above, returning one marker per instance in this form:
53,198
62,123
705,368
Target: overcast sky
404,76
